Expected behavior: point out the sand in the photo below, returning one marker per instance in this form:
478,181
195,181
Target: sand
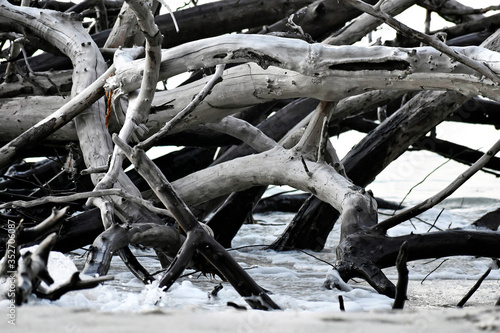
66,320
430,308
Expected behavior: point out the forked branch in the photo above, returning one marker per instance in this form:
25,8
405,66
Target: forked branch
202,241
186,111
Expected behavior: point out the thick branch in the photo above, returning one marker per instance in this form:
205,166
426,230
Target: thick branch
367,68
276,166
74,283
248,85
433,41
244,131
361,250
314,60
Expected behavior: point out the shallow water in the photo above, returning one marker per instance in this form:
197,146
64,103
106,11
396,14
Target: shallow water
294,278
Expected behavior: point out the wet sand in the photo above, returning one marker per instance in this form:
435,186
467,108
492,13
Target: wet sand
66,320
430,308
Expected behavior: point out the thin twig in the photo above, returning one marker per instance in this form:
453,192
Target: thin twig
435,220
164,3
247,246
435,269
319,259
419,183
418,219
262,245
341,303
305,166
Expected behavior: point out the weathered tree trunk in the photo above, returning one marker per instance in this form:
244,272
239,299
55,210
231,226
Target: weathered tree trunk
249,84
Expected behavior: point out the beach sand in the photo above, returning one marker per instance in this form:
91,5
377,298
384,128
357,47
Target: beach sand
430,308
67,320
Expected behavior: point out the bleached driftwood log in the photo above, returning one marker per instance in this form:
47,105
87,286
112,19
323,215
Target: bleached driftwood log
323,72
317,61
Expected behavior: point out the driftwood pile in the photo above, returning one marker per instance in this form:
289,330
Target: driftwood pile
258,109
